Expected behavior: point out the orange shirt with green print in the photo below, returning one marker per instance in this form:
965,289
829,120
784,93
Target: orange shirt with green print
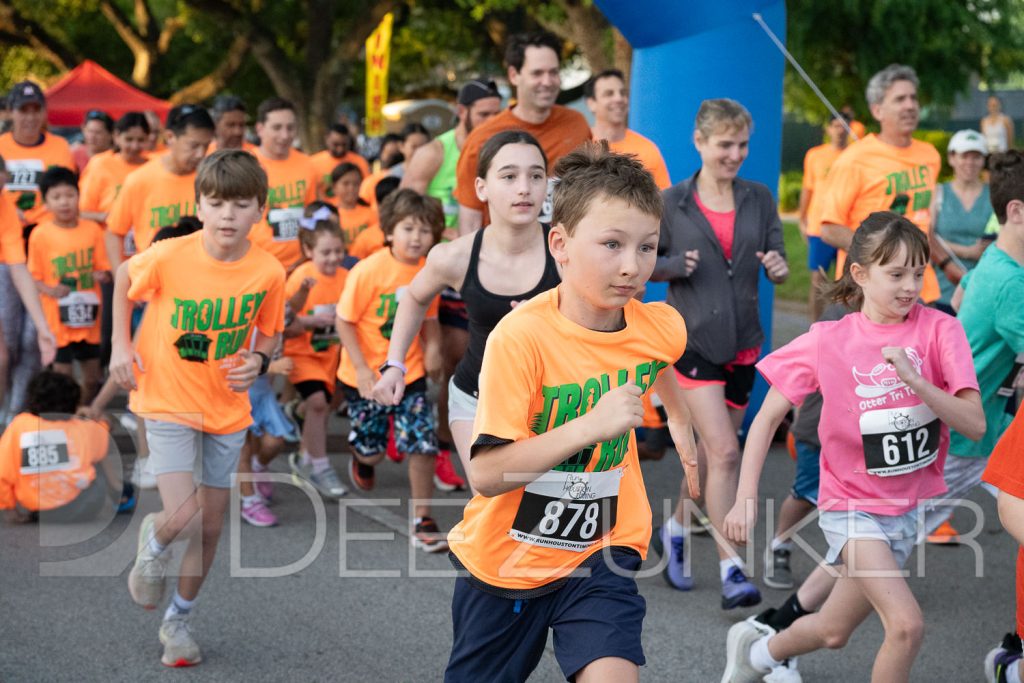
315,354
99,188
292,184
24,166
356,220
151,197
324,164
12,244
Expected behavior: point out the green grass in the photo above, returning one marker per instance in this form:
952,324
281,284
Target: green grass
797,285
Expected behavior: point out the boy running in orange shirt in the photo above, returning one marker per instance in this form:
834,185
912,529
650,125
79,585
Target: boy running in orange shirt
554,456
67,258
190,371
366,314
163,189
292,181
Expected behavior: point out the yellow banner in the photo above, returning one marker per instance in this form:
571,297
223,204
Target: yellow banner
378,53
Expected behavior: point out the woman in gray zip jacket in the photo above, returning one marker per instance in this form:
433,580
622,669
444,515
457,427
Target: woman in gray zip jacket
717,232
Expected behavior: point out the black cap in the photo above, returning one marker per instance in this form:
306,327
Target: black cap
24,93
477,89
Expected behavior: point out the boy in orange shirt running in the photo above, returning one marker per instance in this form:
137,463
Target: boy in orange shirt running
190,371
412,224
67,258
554,453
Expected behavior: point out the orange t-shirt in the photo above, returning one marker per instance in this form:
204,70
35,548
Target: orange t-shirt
12,244
315,353
71,256
246,147
26,164
86,167
369,301
870,176
324,163
817,163
858,129
107,172
200,314
647,153
355,221
1005,471
368,188
564,131
529,384
45,464
150,198
292,186
368,242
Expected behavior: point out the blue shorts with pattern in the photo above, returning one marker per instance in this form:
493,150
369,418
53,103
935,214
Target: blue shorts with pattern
413,422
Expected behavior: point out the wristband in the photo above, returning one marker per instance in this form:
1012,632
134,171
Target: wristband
392,364
264,362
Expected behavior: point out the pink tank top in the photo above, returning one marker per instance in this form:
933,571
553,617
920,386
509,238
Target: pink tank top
723,225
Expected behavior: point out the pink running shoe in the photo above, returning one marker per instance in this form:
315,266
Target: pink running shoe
258,514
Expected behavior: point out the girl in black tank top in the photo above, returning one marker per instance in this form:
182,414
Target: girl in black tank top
512,179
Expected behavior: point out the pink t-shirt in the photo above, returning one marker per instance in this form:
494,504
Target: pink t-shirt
882,448
723,225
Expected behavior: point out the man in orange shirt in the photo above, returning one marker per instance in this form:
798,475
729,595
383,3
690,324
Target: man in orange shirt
340,145
292,180
162,190
607,98
229,115
817,162
533,68
890,171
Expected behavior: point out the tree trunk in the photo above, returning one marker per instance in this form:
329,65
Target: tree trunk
587,28
623,58
209,85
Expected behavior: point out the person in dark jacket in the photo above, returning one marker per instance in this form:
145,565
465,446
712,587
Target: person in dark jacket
717,233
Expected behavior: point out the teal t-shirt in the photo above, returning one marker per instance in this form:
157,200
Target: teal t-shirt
993,318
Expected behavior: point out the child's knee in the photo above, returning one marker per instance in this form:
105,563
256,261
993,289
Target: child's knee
316,404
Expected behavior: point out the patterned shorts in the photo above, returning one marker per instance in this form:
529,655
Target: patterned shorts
413,422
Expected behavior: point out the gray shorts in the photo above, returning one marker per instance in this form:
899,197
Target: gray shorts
961,475
174,447
839,526
461,406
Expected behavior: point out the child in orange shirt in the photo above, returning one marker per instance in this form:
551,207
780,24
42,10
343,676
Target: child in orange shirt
371,240
190,370
366,314
554,455
355,214
67,258
313,344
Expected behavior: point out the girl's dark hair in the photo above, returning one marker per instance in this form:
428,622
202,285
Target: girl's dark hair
876,242
499,140
342,170
186,225
133,119
50,392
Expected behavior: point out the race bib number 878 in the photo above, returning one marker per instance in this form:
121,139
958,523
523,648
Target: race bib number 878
568,511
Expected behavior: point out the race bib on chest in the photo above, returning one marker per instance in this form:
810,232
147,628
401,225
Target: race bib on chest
44,451
284,223
24,174
323,338
79,309
899,440
568,510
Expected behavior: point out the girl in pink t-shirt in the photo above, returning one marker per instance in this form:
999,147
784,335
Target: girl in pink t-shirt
894,376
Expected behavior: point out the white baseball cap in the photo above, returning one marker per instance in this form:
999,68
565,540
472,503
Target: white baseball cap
967,141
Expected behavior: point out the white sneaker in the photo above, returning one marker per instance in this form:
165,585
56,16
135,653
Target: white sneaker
142,475
180,648
148,576
738,668
784,673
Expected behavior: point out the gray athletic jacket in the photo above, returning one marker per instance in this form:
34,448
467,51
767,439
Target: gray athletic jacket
719,299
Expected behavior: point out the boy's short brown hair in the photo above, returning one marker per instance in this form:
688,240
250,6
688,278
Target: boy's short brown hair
404,203
592,171
231,174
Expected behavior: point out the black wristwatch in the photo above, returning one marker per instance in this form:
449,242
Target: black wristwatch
264,362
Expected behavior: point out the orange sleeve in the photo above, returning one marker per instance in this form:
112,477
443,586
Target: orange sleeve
353,301
10,463
97,440
294,281
660,171
12,244
465,175
509,379
101,261
1005,469
270,319
144,271
119,219
37,249
808,179
840,193
312,181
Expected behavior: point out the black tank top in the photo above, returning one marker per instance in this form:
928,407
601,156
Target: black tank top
486,309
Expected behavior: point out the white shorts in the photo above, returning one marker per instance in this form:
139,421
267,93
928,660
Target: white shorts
174,447
461,406
840,526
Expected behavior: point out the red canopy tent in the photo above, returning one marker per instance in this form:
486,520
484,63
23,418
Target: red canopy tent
90,86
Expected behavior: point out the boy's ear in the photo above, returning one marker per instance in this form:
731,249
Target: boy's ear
558,243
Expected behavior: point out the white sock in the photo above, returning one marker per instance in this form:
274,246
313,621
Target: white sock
1013,672
249,500
155,546
781,545
257,466
675,527
319,464
178,605
760,658
725,565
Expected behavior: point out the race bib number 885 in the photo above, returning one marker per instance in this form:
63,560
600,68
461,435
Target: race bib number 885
44,451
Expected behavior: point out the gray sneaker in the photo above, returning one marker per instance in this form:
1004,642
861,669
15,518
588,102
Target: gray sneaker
738,668
777,573
180,648
147,578
327,482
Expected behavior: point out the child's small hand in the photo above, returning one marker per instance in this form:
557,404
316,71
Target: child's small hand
47,346
102,276
739,523
896,356
366,379
282,366
121,362
617,412
240,378
390,388
59,291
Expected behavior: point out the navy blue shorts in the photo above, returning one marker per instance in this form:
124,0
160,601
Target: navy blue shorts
501,639
819,254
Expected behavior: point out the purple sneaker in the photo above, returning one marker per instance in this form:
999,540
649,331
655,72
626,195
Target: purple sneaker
738,591
677,571
257,514
999,659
